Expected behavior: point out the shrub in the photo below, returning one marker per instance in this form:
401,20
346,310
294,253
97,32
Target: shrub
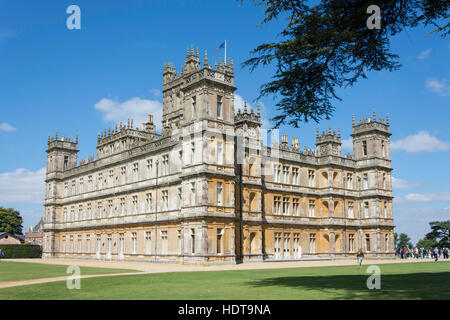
21,251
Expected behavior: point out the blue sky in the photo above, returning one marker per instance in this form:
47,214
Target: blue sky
81,81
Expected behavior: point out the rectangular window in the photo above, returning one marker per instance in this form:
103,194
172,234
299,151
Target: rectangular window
180,197
366,209
148,202
295,176
88,243
276,173
219,241
312,243
385,209
295,206
192,241
365,181
285,206
285,174
66,162
296,245
165,199
164,242
219,193
277,245
367,242
134,242
386,242
286,245
311,178
312,208
383,150
350,210
135,204
219,107
364,148
349,181
148,242
122,206
192,152
276,204
351,242
384,180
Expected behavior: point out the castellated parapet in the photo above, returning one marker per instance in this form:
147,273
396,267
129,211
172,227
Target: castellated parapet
209,190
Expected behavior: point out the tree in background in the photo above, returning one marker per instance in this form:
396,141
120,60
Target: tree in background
328,45
403,241
10,221
440,233
426,243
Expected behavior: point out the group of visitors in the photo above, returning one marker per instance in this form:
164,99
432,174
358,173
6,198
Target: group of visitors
422,253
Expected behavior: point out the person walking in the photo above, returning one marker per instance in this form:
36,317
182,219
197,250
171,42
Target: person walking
436,254
359,257
445,253
1,254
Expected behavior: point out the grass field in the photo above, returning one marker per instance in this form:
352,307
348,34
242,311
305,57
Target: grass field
15,271
398,281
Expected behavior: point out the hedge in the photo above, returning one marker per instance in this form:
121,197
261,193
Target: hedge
21,251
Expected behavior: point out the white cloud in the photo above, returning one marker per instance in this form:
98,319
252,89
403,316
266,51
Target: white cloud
156,93
420,142
403,184
6,127
239,105
23,186
424,54
441,87
134,108
418,197
347,144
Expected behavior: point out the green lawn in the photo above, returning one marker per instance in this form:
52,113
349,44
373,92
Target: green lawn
398,281
15,271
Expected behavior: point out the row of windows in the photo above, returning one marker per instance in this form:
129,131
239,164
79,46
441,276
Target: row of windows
282,205
287,175
69,245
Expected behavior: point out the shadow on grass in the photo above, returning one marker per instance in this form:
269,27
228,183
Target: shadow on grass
393,286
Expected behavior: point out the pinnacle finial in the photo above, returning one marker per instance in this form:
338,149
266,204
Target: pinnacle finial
192,50
187,52
197,53
353,120
387,118
339,132
205,62
258,110
76,138
374,116
317,132
245,107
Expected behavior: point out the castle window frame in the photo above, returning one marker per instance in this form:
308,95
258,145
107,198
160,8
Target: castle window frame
276,204
296,245
276,173
351,242
286,206
219,107
349,181
277,244
219,188
295,175
134,242
194,107
66,162
312,243
350,210
148,242
192,152
286,245
295,206
219,244
192,241
286,174
383,149
193,194
366,209
365,181
312,208
364,148
311,178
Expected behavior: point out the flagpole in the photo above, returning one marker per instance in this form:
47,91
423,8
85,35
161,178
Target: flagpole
225,62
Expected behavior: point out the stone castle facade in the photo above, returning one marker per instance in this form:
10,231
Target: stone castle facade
209,189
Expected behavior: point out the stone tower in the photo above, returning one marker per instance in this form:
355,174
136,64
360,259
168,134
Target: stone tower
199,112
371,150
61,156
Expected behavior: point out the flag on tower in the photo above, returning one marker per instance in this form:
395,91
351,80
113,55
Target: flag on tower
221,46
